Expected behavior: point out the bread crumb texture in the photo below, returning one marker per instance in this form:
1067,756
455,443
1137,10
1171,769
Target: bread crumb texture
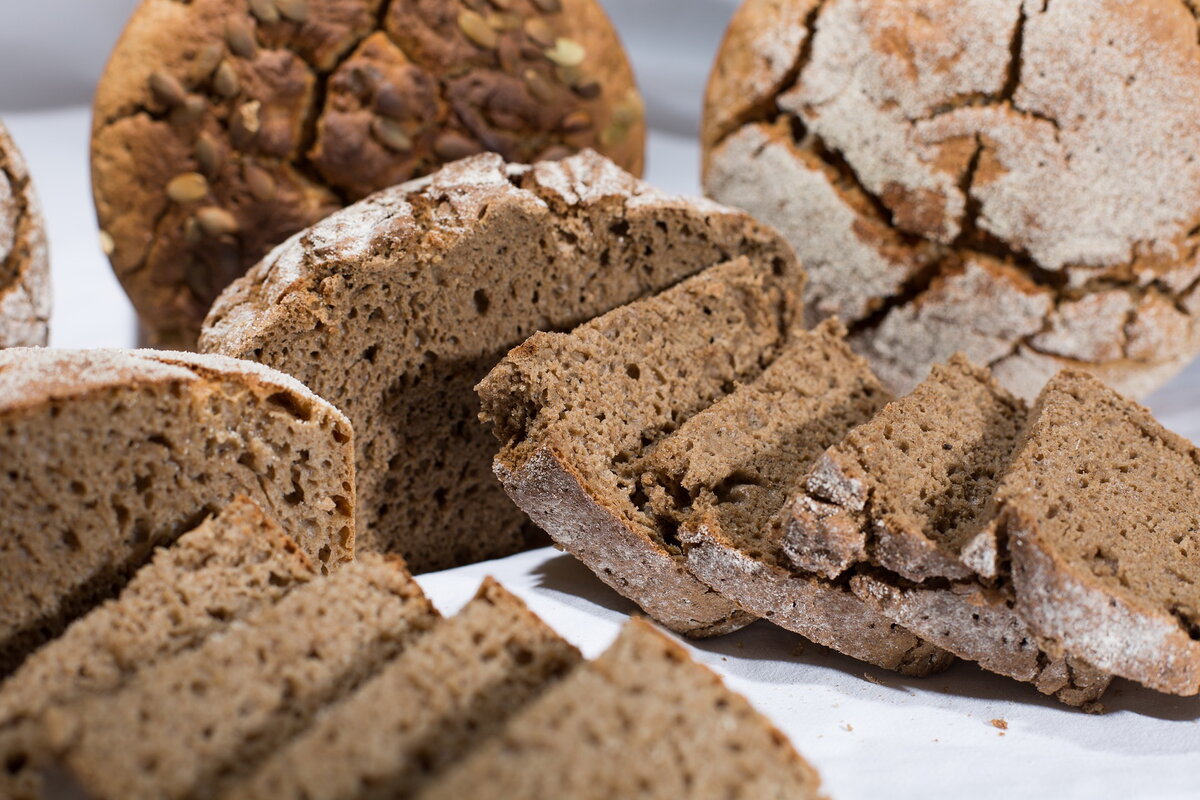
1014,179
24,257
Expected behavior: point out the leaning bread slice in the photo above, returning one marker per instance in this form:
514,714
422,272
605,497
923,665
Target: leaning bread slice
426,709
724,475
577,412
643,721
412,295
229,566
1104,530
24,258
192,723
108,454
904,505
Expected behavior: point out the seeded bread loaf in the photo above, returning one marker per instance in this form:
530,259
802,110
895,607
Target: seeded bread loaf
1012,179
1102,522
441,697
577,413
191,724
722,477
644,721
903,507
24,258
393,309
222,127
108,454
229,566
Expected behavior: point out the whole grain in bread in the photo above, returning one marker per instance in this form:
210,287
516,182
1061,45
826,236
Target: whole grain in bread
643,720
108,454
393,309
576,414
1102,523
222,127
423,711
24,257
958,176
191,724
232,564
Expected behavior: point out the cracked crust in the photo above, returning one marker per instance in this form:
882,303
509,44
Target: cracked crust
900,146
24,257
222,127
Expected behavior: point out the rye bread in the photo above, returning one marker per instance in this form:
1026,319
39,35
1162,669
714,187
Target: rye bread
576,413
192,723
231,565
396,307
722,477
1102,521
429,707
108,454
24,256
903,507
644,721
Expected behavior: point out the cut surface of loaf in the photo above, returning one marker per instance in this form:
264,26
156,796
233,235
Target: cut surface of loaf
721,478
108,454
191,723
903,507
24,256
576,413
423,711
231,565
643,720
1104,530
412,295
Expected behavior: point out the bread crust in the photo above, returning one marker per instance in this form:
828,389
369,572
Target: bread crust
24,255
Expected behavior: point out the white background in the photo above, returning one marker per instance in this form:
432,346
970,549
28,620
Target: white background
870,733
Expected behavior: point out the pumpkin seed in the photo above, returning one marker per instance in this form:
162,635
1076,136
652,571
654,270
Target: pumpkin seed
294,10
167,88
260,182
576,122
503,21
391,135
216,222
240,38
225,80
187,188
475,28
539,31
588,90
451,146
193,108
566,52
539,87
265,10
206,153
107,243
548,6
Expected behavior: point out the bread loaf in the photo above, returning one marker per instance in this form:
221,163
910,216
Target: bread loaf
24,257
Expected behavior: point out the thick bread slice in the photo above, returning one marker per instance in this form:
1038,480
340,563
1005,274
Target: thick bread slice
231,565
1104,530
108,454
194,722
426,709
413,294
577,412
724,475
643,721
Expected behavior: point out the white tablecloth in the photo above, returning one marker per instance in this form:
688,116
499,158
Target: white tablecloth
871,734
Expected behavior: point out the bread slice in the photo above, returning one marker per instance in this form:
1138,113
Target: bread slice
231,565
192,723
644,721
1104,530
24,255
576,413
725,473
426,709
412,295
108,454
904,508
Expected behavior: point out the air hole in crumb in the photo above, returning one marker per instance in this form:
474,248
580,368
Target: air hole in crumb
15,762
324,553
77,488
295,498
633,371
292,405
481,301
370,353
71,540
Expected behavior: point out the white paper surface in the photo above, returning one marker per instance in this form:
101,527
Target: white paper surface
890,737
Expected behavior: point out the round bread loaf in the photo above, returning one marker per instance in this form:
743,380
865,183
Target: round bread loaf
224,126
1019,181
24,258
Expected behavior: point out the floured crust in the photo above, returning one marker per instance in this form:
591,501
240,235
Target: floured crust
997,133
24,256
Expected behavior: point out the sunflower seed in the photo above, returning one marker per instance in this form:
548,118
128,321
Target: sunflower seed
539,31
225,80
451,146
187,188
548,6
566,52
391,135
107,243
294,10
248,115
240,38
476,29
576,122
260,182
216,221
265,10
167,88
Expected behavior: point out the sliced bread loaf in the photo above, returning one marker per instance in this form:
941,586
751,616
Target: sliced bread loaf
192,723
1104,531
576,414
726,472
229,566
411,296
642,721
426,709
